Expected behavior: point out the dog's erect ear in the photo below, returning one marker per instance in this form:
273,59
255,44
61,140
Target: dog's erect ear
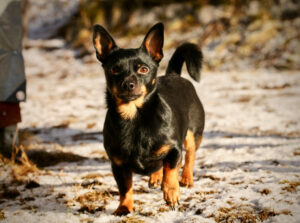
154,41
103,42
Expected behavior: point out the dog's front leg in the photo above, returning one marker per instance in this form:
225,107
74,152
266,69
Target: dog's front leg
123,177
170,183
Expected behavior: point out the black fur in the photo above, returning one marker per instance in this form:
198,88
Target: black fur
190,54
169,108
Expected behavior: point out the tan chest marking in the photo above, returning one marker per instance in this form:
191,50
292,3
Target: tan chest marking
128,110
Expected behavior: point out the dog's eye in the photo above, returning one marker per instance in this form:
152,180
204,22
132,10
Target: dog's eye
115,69
142,69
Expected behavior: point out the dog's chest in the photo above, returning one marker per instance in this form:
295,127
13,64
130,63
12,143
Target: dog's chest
143,148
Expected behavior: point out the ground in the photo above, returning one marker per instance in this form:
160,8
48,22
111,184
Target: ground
246,170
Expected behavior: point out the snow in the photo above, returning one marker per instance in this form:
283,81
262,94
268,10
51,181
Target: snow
248,161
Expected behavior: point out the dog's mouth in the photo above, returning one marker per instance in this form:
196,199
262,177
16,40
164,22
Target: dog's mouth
129,97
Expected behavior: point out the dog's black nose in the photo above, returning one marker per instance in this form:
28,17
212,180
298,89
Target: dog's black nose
128,85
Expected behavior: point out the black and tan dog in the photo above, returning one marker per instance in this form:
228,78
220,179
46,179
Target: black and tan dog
150,118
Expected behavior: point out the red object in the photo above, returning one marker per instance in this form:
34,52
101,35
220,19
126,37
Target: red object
10,114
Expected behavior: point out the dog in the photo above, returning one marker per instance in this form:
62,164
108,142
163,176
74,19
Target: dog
150,118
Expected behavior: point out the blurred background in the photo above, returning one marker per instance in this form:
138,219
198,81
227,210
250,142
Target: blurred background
237,34
251,63
247,169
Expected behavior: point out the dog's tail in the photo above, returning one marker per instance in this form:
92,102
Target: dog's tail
191,55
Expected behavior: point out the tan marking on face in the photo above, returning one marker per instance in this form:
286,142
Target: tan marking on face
162,150
129,110
117,161
190,148
153,81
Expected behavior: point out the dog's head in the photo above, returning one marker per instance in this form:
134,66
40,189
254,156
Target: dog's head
130,73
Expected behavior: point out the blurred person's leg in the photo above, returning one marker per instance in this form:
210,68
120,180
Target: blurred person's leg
12,74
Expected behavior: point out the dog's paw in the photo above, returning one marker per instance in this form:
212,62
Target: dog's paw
171,195
186,180
123,210
155,179
154,183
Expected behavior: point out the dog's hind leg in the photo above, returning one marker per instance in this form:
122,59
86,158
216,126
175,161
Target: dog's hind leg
191,144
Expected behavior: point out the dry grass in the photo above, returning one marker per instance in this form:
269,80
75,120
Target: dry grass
266,213
286,212
22,171
265,191
21,165
211,177
236,182
131,219
206,192
163,209
102,154
91,208
296,152
2,216
93,196
292,186
90,201
92,176
244,214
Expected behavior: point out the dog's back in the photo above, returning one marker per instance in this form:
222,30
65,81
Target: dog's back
180,93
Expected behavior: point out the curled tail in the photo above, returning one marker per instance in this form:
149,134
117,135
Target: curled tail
191,55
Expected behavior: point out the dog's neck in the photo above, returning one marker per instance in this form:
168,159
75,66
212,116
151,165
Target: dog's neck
133,109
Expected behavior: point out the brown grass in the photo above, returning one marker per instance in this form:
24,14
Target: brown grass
265,191
163,209
296,152
91,208
206,192
90,201
92,176
286,212
93,196
244,214
131,219
266,213
102,154
2,216
20,171
236,182
95,175
292,187
211,177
